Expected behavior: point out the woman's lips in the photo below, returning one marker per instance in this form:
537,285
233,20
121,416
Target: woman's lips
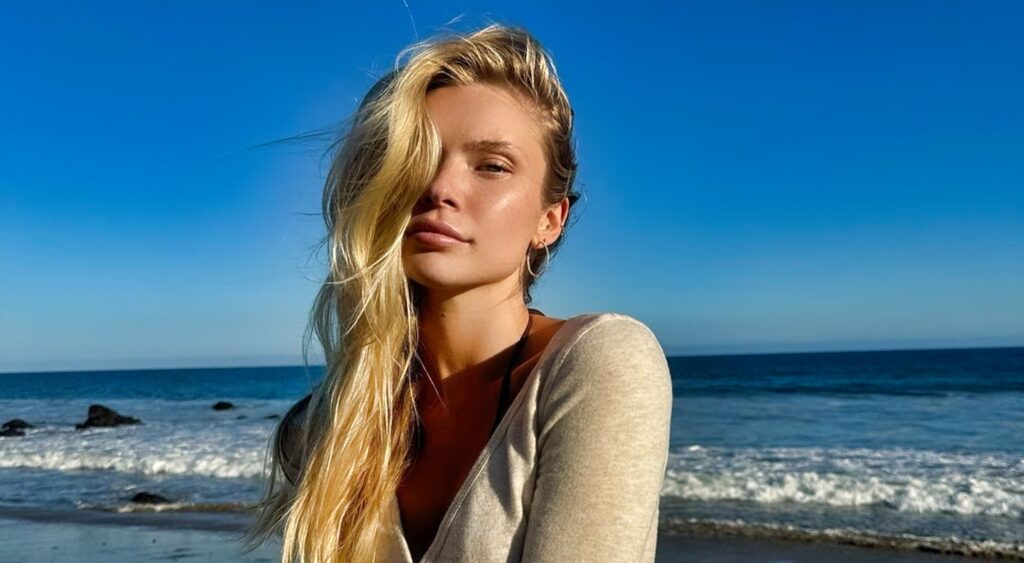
431,238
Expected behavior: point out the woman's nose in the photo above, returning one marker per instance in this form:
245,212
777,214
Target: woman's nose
443,189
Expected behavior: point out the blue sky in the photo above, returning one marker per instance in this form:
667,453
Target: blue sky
758,176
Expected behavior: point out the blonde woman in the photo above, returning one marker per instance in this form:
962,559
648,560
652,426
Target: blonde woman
453,422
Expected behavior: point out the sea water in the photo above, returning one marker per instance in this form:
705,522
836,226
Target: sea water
897,448
184,450
901,448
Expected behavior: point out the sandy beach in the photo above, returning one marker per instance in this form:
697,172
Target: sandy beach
45,536
691,549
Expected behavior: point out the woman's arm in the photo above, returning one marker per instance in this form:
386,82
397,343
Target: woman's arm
602,448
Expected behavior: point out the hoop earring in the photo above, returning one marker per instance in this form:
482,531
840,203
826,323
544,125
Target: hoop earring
547,259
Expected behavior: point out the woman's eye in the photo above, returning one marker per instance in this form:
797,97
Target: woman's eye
494,167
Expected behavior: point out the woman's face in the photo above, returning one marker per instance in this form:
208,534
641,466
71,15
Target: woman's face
487,187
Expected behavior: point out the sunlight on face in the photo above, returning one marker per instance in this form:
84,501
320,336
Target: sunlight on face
488,187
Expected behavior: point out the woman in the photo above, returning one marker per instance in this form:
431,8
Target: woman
454,423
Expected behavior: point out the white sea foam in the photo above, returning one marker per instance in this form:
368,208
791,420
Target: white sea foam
902,480
135,452
189,439
175,439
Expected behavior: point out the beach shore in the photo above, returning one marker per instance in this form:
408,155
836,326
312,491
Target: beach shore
116,538
692,549
46,536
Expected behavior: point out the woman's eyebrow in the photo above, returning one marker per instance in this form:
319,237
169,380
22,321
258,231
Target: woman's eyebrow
489,144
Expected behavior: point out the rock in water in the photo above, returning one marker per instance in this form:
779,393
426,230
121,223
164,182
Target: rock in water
149,498
16,424
11,432
223,406
101,416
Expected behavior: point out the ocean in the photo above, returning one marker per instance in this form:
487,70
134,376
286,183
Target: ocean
915,449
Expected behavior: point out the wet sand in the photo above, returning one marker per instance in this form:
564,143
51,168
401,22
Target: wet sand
41,536
40,541
692,549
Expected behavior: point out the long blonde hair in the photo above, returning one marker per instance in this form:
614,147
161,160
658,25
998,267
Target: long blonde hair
358,425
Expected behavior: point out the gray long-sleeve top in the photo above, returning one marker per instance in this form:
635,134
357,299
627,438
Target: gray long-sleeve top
573,471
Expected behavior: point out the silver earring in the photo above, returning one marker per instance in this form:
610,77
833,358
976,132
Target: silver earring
547,258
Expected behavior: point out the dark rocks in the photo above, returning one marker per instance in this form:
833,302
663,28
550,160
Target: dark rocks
223,406
149,498
272,416
17,424
101,416
13,428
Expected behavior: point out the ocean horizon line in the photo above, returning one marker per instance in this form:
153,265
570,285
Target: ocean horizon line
292,362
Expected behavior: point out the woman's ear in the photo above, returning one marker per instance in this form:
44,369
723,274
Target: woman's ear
552,222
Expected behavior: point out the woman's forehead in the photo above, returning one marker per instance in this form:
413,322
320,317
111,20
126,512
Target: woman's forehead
484,117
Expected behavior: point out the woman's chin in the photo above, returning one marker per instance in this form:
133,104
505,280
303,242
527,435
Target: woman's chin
442,285
436,276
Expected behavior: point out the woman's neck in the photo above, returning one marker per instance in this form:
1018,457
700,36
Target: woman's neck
463,334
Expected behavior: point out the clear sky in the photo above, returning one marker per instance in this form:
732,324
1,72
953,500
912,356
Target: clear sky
759,176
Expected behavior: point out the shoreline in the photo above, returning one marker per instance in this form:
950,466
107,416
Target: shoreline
961,550
683,548
47,536
86,535
222,522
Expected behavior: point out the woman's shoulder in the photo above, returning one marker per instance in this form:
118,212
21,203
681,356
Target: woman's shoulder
608,345
604,329
610,365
